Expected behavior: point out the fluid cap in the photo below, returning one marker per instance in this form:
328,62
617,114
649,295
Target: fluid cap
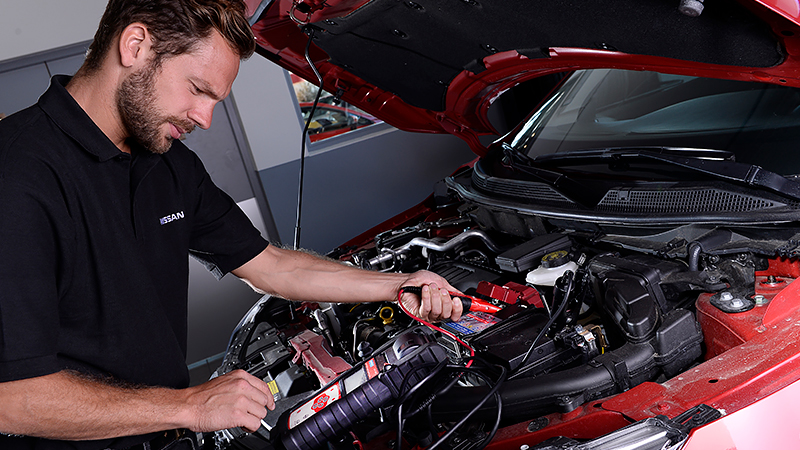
555,259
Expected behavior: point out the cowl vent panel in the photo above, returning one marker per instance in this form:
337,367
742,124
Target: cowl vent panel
526,190
642,201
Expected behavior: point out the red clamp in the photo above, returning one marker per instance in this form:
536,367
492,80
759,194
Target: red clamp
468,302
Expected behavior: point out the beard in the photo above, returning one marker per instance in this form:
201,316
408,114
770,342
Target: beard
136,100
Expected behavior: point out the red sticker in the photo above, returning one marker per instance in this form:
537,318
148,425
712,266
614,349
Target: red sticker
371,368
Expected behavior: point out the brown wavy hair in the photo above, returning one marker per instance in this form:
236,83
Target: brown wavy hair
175,26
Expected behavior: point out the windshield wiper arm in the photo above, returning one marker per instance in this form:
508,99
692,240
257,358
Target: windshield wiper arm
749,174
572,189
717,163
615,152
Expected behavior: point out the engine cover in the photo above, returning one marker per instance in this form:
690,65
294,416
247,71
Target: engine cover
630,291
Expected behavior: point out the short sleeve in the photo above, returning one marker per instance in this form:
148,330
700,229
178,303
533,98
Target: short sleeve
223,237
34,240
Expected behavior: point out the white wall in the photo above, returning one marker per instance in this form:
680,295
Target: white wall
269,112
31,26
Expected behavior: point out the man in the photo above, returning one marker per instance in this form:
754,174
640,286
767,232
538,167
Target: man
93,309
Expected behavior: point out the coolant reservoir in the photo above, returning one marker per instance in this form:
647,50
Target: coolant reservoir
554,265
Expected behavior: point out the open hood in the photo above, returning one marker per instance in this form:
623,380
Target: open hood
436,66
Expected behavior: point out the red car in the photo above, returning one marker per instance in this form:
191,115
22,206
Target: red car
332,120
636,237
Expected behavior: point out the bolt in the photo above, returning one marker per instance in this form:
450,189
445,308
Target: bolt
760,299
726,296
691,8
524,447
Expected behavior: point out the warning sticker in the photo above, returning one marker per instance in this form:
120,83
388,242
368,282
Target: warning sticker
273,387
313,406
474,322
371,368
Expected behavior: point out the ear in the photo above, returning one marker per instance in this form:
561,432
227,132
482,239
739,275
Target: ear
134,45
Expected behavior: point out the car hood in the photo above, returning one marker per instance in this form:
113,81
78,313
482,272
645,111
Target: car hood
437,66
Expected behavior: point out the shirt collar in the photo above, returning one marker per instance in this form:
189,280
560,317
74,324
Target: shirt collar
68,115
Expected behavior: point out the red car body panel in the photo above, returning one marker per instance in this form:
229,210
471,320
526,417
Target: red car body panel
774,418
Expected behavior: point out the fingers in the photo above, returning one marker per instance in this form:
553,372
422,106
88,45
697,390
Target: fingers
436,304
425,303
236,399
458,309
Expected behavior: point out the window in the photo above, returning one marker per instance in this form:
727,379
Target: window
332,117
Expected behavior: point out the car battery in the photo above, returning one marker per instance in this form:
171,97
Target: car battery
506,337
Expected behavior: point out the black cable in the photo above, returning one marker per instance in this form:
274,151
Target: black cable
570,277
305,138
405,395
438,368
401,418
496,426
492,392
429,401
398,444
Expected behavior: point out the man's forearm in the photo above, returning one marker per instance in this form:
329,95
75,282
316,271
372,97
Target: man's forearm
303,277
68,406
300,276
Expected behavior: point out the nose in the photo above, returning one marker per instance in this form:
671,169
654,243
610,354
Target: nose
202,114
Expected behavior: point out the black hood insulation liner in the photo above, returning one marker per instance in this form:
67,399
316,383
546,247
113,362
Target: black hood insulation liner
414,48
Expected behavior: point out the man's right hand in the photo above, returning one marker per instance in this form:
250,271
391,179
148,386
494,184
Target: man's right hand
236,399
69,406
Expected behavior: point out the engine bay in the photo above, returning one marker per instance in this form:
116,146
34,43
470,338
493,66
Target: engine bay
583,314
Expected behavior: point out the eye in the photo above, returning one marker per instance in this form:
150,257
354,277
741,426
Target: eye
195,90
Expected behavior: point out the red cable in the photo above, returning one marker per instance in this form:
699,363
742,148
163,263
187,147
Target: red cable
428,324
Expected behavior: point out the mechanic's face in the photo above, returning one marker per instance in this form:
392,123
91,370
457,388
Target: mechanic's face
159,104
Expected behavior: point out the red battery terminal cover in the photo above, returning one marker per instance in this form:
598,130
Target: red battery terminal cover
511,293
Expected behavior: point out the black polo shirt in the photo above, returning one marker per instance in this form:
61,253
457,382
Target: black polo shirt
94,247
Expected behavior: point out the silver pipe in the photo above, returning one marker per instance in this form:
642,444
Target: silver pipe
388,255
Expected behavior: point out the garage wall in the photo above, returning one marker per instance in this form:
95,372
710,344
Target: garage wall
356,187
32,26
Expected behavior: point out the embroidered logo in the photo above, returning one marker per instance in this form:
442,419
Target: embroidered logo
172,217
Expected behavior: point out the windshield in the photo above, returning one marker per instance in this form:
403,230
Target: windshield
597,109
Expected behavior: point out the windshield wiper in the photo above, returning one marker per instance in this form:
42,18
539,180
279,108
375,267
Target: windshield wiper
572,189
615,152
749,174
716,163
